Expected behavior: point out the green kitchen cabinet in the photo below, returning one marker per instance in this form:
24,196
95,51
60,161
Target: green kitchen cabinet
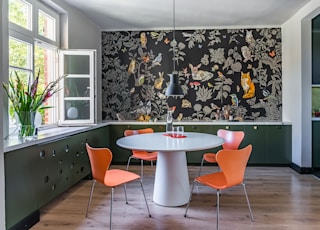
256,135
21,192
278,149
62,164
316,146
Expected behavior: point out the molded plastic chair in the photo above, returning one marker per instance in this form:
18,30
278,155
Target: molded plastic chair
232,141
100,160
138,154
233,165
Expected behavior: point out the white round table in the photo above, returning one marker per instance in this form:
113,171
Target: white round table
171,186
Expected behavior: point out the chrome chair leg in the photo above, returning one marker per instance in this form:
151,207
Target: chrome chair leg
90,197
125,192
112,191
141,170
248,202
218,207
129,162
185,214
201,166
144,195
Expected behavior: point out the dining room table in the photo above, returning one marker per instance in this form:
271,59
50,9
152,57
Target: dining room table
171,184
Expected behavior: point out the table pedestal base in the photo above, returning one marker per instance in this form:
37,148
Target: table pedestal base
171,186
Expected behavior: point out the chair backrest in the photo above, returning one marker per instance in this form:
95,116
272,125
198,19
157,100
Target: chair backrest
130,132
100,160
232,139
233,164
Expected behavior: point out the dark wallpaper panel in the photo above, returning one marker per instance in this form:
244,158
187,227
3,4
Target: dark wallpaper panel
222,72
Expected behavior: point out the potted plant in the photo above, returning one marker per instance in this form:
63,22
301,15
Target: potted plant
26,100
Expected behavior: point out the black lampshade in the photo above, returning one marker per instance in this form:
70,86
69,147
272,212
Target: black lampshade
174,89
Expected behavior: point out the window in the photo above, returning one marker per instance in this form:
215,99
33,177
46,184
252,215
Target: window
33,45
20,13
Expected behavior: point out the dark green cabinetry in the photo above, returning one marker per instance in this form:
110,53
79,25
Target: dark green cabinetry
37,174
21,191
62,163
271,143
316,146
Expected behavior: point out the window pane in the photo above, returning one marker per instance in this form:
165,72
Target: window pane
46,25
20,53
20,13
44,66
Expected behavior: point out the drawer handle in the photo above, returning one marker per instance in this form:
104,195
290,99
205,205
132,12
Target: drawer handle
42,154
255,127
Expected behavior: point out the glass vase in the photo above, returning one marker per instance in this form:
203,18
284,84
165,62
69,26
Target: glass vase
26,124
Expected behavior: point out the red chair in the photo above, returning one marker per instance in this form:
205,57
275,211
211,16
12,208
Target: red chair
233,165
141,155
232,140
100,160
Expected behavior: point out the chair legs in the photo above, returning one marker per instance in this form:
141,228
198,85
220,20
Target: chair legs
218,204
218,208
201,166
144,195
187,208
90,197
112,195
110,223
248,202
141,169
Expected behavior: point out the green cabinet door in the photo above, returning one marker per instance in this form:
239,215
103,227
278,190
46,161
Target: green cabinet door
78,164
278,141
316,145
54,175
256,135
21,170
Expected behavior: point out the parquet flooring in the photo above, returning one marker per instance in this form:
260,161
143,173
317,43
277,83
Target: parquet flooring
281,199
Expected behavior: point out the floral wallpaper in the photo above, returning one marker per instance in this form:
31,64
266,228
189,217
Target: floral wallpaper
230,74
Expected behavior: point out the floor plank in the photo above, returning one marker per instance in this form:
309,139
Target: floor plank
280,199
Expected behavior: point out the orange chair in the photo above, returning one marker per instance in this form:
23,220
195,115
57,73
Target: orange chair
233,165
100,160
141,155
232,140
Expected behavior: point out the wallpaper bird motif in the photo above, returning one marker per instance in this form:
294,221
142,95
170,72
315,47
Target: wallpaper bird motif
224,73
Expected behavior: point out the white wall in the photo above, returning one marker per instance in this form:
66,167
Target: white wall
82,33
296,81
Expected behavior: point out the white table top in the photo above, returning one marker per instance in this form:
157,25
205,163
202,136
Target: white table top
159,142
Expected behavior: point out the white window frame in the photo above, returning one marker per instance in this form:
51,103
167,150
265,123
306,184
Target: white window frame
32,37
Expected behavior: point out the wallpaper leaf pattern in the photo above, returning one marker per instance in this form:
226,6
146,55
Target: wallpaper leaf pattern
222,72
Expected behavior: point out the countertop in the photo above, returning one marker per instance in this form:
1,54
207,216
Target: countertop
58,132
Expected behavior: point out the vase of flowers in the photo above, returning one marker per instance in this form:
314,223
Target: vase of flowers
26,100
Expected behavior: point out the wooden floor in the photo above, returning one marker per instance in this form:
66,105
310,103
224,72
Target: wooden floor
280,199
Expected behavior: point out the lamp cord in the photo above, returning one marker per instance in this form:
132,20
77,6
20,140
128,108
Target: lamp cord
174,43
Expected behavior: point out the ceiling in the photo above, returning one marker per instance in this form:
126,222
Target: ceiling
122,15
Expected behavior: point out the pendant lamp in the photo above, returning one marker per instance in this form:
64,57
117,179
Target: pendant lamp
174,89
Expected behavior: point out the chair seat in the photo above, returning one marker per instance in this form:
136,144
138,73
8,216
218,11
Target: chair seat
214,180
210,157
146,156
115,177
